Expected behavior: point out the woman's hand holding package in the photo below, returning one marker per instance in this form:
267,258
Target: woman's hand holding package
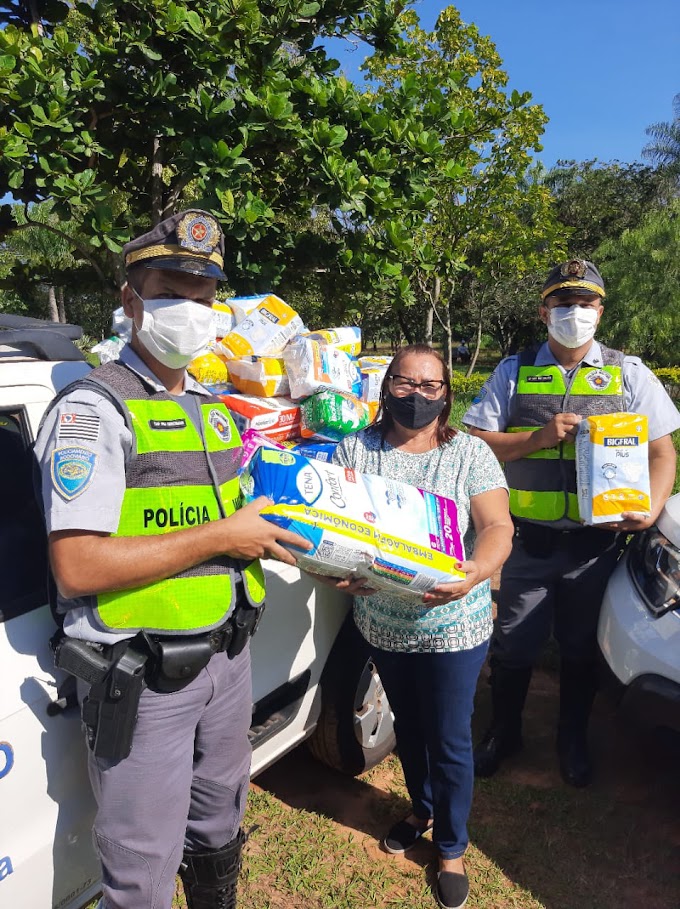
447,593
494,529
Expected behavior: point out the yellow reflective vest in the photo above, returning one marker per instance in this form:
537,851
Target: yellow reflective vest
543,484
177,477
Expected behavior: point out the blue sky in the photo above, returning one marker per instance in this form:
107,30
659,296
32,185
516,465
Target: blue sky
603,70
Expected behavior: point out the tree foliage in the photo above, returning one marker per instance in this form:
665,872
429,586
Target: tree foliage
122,113
664,149
489,222
642,274
597,201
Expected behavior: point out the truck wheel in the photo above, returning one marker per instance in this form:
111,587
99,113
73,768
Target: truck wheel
355,730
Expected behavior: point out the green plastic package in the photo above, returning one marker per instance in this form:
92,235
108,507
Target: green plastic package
331,415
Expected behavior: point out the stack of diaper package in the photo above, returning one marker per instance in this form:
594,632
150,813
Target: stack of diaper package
286,383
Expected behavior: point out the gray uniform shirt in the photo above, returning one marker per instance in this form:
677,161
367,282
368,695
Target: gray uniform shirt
643,393
87,428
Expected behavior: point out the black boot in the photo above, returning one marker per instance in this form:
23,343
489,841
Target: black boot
210,878
509,686
578,686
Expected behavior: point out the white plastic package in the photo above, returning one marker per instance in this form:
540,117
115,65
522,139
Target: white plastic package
108,350
398,537
315,366
121,325
223,318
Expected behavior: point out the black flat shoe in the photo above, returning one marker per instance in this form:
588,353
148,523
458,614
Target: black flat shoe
452,889
402,837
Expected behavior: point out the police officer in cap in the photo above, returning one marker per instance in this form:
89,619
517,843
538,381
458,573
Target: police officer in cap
157,568
528,412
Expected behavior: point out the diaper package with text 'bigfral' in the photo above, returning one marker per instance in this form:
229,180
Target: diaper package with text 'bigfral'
612,467
398,537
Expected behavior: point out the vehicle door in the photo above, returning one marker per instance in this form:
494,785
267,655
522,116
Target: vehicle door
46,807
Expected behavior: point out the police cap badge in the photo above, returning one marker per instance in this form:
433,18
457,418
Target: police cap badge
190,241
577,276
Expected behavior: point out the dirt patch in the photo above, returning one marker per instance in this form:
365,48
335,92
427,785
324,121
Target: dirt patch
534,842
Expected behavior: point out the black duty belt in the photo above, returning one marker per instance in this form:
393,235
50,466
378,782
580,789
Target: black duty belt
541,540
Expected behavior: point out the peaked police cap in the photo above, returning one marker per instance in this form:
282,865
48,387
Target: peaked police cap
576,276
190,241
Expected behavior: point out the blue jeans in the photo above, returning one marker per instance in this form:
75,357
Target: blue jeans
431,695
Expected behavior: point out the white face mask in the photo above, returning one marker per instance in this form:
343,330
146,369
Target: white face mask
175,331
572,326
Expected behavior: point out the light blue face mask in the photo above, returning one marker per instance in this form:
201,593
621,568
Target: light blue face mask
174,331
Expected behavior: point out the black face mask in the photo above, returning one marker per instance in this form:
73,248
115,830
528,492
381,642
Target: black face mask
414,411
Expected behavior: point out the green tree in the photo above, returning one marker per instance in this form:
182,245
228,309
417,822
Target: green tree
598,201
642,275
487,219
664,149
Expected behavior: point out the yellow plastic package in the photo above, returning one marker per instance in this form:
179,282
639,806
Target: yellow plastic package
347,338
264,332
372,361
263,377
209,369
612,467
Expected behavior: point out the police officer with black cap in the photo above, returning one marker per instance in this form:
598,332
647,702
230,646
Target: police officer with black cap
159,583
528,412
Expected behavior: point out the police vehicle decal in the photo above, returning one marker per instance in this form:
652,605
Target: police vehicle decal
72,471
5,867
6,758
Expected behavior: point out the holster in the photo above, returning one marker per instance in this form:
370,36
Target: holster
244,623
176,661
117,673
116,678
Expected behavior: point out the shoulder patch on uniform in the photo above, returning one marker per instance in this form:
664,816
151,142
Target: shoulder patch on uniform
72,470
78,426
220,424
481,394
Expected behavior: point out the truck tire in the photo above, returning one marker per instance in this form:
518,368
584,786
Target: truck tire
355,729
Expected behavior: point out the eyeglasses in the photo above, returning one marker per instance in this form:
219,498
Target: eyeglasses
402,386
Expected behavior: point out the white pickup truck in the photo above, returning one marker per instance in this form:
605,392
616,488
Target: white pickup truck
312,677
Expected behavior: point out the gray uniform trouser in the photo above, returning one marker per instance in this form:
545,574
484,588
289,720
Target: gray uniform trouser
561,593
184,784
